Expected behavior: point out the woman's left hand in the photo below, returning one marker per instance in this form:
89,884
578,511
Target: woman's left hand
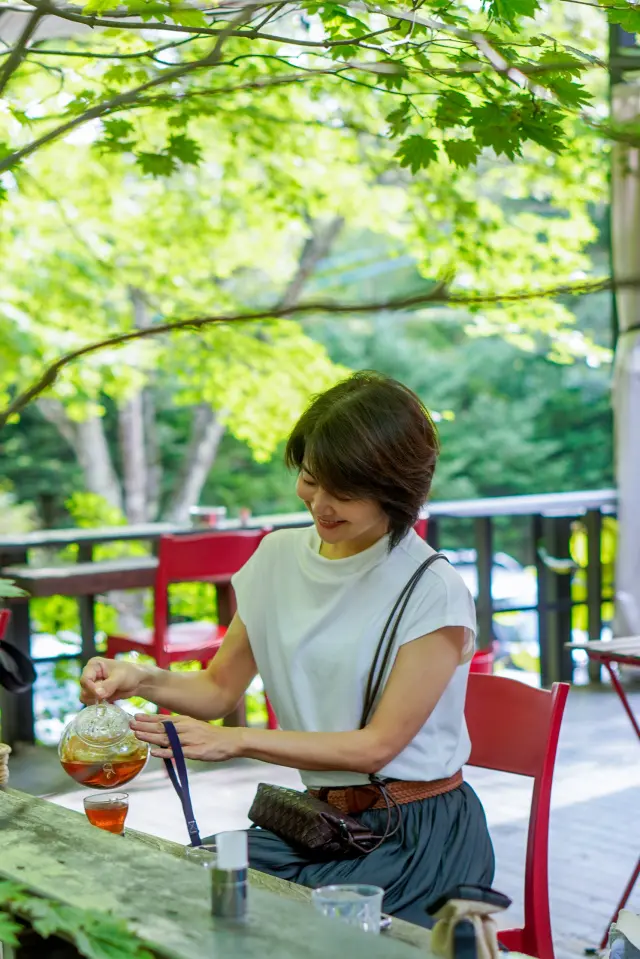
199,740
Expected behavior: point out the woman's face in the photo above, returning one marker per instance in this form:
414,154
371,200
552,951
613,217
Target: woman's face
346,526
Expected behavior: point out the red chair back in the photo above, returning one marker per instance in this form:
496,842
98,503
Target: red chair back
5,616
421,527
515,728
211,557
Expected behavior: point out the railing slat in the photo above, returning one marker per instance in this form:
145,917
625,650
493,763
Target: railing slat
484,563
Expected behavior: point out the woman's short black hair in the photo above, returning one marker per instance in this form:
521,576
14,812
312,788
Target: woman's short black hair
369,437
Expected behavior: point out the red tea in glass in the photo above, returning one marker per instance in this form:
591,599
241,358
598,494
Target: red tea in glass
107,812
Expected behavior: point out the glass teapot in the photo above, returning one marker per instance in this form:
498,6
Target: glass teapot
99,749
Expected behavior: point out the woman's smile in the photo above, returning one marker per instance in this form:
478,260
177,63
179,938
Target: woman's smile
329,523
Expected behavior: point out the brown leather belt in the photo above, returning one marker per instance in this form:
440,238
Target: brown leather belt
355,799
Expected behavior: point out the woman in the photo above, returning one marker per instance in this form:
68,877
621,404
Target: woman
312,604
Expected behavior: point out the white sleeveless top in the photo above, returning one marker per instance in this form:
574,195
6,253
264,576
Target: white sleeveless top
314,625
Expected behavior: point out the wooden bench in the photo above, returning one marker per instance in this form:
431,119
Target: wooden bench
144,880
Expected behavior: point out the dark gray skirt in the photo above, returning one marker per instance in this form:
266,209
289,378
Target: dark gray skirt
443,841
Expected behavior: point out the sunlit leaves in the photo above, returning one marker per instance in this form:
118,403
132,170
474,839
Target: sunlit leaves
463,153
399,118
452,109
505,128
179,149
417,152
116,136
510,11
184,149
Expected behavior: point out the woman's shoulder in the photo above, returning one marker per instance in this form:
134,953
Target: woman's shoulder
284,541
413,551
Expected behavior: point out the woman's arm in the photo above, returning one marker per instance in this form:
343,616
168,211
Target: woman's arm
209,694
421,673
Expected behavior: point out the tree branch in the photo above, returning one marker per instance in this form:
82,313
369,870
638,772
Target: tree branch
438,294
252,34
18,52
122,99
98,55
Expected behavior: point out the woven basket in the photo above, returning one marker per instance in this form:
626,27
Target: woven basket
4,764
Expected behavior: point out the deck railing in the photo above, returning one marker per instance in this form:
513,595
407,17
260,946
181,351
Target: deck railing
546,524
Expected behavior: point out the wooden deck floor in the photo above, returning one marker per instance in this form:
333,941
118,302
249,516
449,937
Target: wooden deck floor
595,823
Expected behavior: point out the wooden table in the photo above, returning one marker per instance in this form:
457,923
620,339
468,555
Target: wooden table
144,880
624,651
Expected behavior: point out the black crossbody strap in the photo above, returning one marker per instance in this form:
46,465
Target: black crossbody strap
180,780
376,675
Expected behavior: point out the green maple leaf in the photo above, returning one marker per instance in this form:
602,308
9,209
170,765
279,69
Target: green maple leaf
398,119
628,19
97,6
48,917
104,938
509,11
189,18
183,148
417,152
156,164
117,129
568,92
11,892
463,153
117,74
9,930
452,108
497,127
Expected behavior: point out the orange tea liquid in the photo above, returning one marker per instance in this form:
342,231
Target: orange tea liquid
107,775
110,817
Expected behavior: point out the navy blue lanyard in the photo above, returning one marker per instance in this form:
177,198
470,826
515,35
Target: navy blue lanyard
180,782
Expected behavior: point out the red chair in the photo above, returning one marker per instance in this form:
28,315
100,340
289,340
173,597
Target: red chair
515,728
198,557
482,662
421,527
5,616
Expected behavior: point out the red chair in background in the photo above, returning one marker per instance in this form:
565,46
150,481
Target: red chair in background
515,728
421,527
5,616
197,557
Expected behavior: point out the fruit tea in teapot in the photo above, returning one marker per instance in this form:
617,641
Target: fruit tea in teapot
98,748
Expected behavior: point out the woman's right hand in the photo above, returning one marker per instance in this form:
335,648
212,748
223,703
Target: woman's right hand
105,680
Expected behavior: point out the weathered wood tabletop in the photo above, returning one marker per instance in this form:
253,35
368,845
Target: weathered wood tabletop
56,853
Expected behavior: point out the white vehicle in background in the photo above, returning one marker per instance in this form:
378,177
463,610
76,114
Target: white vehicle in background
512,586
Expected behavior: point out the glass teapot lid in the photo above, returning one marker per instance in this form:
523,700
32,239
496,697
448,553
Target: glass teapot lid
102,725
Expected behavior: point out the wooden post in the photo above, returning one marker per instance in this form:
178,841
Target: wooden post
484,565
593,522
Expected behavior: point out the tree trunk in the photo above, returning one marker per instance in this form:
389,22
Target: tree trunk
206,433
315,248
131,430
89,443
134,466
152,447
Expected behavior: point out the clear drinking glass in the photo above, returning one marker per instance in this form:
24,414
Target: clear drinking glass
204,855
359,906
107,811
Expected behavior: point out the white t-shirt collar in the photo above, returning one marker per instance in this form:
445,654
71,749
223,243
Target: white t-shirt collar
334,570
